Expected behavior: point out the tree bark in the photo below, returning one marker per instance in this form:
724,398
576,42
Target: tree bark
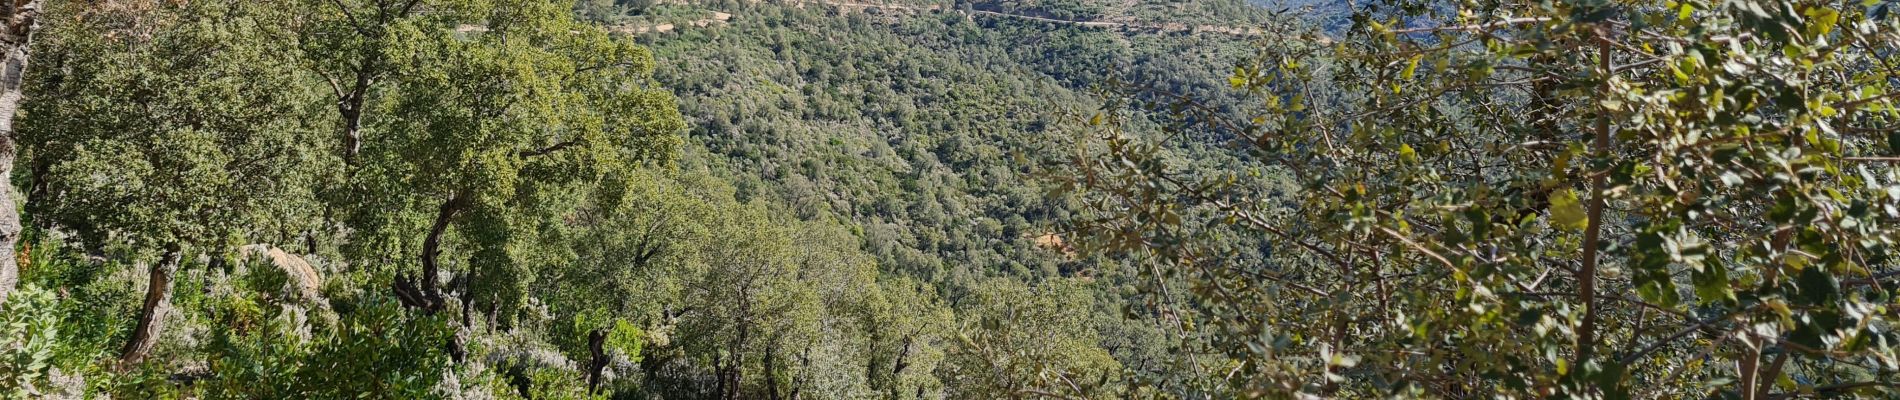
596,346
432,245
719,375
1748,366
20,17
1587,275
158,302
350,107
798,382
771,373
897,367
423,293
734,374
371,67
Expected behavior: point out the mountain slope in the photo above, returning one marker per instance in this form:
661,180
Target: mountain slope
923,126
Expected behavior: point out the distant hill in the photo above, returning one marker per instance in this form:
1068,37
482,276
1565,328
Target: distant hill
927,124
922,124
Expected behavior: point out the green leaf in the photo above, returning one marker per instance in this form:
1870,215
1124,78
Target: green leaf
1411,67
1566,212
1817,287
1711,283
1821,20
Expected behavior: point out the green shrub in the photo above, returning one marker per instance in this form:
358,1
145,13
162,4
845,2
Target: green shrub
376,351
29,329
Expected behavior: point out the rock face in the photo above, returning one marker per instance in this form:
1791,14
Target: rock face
303,278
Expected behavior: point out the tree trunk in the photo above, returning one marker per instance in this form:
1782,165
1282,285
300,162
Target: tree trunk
733,374
737,347
351,108
798,382
1587,274
468,305
494,309
596,346
20,18
458,345
771,373
897,367
423,293
719,376
158,302
730,381
432,246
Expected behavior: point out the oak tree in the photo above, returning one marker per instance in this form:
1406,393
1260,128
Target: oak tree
1528,199
179,131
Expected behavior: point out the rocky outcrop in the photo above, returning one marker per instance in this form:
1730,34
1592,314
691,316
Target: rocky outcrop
304,279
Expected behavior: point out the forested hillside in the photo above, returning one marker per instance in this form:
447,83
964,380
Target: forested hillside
454,199
930,132
948,199
925,129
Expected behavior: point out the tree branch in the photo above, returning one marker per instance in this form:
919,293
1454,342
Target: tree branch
1592,234
550,149
1652,347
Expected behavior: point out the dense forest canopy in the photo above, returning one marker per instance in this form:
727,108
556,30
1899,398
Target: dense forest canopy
911,199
